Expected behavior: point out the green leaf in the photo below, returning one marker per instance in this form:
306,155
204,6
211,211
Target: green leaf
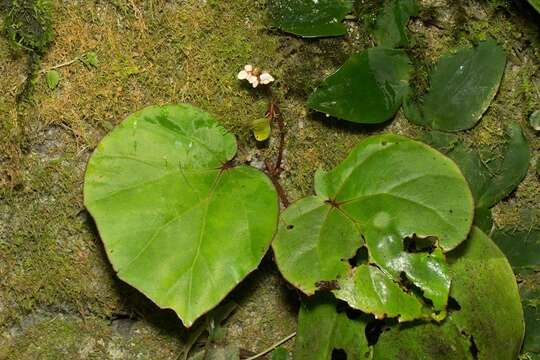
462,87
388,189
483,219
53,78
261,129
521,247
179,222
531,308
489,313
321,329
310,18
279,353
391,25
368,88
535,4
90,58
491,180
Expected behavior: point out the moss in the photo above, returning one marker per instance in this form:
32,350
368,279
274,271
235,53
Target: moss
51,259
28,24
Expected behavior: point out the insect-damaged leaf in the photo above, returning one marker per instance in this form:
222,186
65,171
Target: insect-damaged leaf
391,24
461,89
368,88
489,322
310,18
178,222
321,329
398,195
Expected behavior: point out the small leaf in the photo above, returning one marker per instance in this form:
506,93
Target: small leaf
462,87
368,88
261,129
321,329
534,120
279,353
310,18
388,190
391,25
53,78
486,312
90,58
178,222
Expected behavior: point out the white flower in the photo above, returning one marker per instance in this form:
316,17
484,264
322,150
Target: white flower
254,76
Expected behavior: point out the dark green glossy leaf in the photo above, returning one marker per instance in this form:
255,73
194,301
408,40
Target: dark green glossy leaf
521,247
489,315
310,18
179,223
462,87
391,25
531,308
389,188
369,88
322,328
483,219
494,178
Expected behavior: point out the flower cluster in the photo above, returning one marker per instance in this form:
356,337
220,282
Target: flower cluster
255,76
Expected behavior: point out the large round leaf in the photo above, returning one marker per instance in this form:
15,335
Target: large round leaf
462,87
487,321
368,88
179,223
402,200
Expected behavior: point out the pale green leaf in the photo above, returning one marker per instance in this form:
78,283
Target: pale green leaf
53,78
389,188
178,221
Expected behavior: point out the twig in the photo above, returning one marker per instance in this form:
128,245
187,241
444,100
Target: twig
275,170
266,351
60,65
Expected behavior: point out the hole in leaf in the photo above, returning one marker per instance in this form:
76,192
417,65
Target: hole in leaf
290,227
412,288
374,328
339,354
416,244
473,348
453,305
361,257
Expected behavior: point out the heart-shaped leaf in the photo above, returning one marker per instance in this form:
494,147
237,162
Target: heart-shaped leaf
369,88
310,18
486,321
391,25
322,329
402,200
462,87
179,222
